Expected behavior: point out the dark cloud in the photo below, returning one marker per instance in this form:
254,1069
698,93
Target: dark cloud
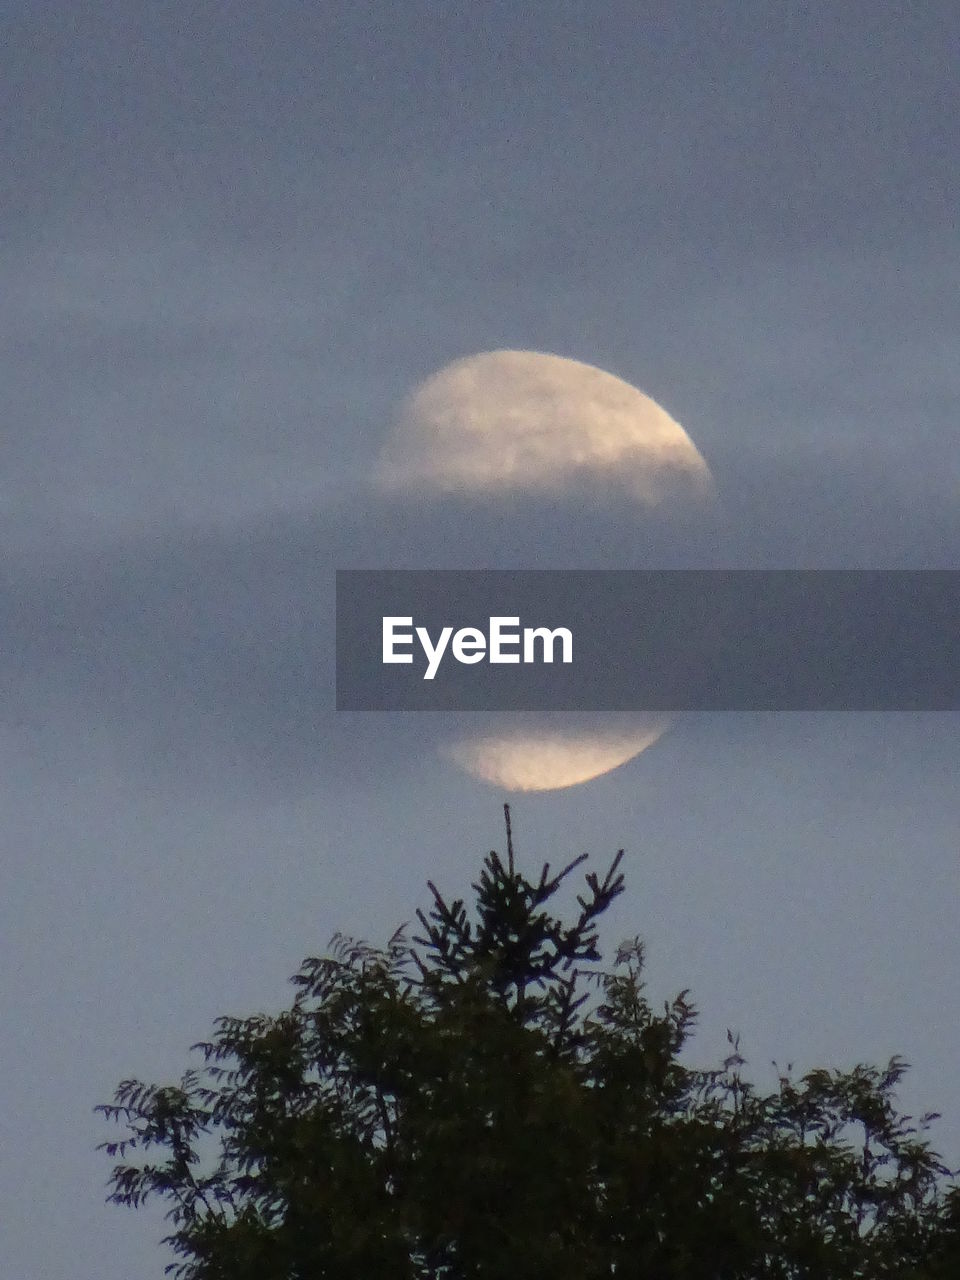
217,644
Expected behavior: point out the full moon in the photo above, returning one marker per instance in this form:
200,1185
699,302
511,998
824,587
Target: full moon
548,759
526,422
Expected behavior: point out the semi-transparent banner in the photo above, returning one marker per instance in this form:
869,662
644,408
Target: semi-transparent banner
648,640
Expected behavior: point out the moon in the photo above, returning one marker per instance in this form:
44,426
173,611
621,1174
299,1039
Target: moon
528,422
548,759
531,422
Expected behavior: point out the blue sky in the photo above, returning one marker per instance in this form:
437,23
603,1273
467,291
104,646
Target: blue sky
230,242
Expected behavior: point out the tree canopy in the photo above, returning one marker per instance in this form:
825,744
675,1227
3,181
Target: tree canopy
490,1099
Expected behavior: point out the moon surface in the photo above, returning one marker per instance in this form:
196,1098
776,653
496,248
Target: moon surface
548,759
527,422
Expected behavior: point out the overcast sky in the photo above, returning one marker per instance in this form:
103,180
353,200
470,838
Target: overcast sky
233,239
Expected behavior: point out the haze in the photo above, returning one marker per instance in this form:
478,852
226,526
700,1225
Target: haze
233,241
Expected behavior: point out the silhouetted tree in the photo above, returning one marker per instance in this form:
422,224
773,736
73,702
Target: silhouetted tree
489,1101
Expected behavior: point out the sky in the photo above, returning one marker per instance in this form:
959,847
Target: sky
232,240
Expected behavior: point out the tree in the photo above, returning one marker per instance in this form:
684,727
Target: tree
489,1100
